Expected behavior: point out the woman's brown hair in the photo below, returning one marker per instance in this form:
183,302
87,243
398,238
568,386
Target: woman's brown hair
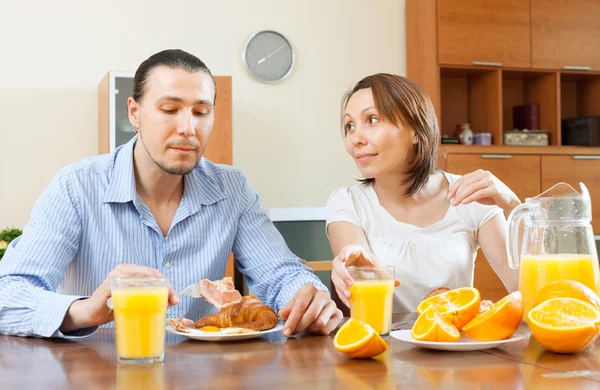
403,102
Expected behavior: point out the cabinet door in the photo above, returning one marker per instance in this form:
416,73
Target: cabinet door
519,173
474,31
572,170
565,33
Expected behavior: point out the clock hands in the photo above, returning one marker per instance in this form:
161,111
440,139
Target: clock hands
268,56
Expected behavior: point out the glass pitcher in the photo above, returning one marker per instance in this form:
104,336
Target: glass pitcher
557,242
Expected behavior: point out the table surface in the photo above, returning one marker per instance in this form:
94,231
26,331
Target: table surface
303,361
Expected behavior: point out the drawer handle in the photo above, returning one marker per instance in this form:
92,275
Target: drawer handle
586,157
484,63
573,67
497,156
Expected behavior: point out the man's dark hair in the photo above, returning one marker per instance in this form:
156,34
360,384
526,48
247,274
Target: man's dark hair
172,58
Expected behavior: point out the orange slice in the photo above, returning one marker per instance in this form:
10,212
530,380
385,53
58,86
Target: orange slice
499,322
359,340
564,325
458,306
567,289
432,326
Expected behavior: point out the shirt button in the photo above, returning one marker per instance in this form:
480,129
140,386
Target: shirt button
169,311
167,265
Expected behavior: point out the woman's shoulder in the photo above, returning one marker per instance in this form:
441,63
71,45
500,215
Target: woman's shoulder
354,192
451,177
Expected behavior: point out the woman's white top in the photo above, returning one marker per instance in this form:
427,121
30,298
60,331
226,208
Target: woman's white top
439,255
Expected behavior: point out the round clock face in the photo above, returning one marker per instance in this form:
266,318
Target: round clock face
268,56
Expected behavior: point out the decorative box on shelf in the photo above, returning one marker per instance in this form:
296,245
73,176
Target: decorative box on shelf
526,137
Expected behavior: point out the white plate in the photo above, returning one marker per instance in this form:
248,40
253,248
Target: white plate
196,334
464,344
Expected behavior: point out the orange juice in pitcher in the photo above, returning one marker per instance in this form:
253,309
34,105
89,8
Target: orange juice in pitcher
557,242
539,270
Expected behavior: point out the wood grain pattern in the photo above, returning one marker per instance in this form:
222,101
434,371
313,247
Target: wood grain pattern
539,88
520,150
566,169
565,33
421,43
276,362
519,173
482,30
472,96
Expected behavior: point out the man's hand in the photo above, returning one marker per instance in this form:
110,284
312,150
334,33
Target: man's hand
312,310
93,311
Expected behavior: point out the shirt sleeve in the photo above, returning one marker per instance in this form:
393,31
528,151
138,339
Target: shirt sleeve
272,271
486,213
341,207
35,263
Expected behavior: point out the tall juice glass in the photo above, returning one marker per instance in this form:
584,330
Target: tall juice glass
372,296
140,307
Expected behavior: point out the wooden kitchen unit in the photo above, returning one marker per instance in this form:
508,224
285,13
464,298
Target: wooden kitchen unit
478,59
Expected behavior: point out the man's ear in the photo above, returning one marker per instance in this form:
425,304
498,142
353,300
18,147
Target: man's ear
133,112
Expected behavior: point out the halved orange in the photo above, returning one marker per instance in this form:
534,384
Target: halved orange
564,325
567,289
499,322
432,326
458,306
359,340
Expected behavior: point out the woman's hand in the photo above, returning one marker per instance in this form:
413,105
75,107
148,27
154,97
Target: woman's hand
350,255
483,187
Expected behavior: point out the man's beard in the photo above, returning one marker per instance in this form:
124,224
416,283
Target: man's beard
180,171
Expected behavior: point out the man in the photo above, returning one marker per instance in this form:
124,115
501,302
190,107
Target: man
154,207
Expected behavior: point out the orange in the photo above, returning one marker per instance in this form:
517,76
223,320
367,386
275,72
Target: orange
567,289
499,322
458,306
564,325
432,326
359,340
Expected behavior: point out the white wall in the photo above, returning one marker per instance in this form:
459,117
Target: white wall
286,136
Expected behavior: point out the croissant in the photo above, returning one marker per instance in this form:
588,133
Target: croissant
250,313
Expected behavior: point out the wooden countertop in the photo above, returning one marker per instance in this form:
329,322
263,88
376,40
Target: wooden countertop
274,362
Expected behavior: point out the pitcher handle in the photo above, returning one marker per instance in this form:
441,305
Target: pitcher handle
512,241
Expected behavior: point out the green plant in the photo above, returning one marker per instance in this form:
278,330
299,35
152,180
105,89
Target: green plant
6,236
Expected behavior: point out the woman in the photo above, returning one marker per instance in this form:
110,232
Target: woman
427,224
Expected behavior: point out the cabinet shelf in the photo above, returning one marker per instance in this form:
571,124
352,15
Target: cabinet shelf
532,87
471,95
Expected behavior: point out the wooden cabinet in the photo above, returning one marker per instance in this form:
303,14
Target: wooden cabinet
565,34
572,170
525,184
472,32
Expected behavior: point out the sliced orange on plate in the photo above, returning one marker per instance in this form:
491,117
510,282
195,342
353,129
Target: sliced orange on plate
458,306
433,326
567,289
499,322
359,340
564,325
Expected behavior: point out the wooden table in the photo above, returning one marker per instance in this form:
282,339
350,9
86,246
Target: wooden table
274,362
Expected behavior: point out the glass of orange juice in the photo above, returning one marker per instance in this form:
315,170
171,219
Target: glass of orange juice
140,307
372,296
